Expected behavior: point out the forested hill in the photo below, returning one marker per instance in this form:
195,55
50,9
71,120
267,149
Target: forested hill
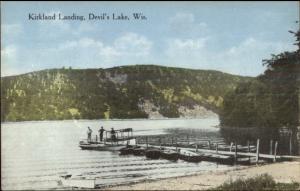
139,91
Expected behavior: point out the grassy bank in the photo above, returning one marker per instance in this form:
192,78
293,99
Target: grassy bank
261,182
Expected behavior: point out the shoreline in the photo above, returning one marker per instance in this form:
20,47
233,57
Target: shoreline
104,120
283,172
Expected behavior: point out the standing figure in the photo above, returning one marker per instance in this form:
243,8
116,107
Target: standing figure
89,134
113,134
101,133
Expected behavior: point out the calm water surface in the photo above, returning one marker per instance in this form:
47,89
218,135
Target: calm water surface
35,154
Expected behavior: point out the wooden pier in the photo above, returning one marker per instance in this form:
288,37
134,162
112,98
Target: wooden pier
194,149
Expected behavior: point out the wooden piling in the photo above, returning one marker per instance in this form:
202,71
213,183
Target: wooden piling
257,151
209,145
159,143
271,147
291,142
248,144
147,142
196,147
231,145
217,147
275,151
235,153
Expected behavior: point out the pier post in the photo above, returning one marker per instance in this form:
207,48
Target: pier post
275,151
271,147
160,143
196,147
291,142
257,151
231,145
248,144
209,146
147,142
217,147
235,153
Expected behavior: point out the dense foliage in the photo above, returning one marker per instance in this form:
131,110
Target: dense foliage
260,182
266,104
111,93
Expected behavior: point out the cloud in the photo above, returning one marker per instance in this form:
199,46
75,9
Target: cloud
184,24
188,44
86,52
244,59
187,52
11,32
11,29
129,46
9,52
133,44
9,60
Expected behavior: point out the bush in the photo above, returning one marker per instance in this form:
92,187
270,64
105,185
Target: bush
261,182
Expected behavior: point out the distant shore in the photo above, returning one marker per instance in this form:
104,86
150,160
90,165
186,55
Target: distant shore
114,119
285,172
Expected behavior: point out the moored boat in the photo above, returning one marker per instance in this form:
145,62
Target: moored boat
110,143
153,154
170,155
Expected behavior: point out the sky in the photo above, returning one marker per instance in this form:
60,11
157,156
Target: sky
232,37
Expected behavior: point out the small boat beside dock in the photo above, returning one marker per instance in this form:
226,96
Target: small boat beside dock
169,155
190,156
153,153
123,138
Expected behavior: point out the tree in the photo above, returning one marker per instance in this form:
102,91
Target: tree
269,102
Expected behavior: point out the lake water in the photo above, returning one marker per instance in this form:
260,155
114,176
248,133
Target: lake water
35,154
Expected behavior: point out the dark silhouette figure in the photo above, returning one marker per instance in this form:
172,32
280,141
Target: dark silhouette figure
89,134
113,134
101,133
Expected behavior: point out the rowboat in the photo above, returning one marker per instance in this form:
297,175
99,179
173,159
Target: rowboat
169,154
153,154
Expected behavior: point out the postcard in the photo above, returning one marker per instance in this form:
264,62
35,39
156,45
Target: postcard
150,95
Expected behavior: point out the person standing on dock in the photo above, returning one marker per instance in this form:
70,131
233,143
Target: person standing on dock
113,134
101,133
89,134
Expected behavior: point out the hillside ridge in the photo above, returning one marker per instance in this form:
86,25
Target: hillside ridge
123,92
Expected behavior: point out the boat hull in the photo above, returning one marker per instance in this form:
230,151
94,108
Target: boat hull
153,154
107,146
101,147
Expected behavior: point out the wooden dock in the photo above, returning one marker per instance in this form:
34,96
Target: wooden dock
212,150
